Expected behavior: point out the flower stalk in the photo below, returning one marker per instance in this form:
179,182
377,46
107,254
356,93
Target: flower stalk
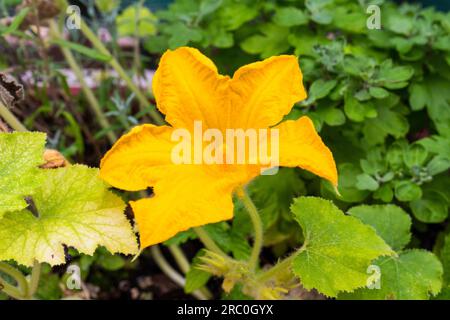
257,225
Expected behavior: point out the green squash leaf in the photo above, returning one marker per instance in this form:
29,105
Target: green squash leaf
72,207
337,248
392,223
21,154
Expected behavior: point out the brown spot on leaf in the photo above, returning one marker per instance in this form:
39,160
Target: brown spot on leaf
53,159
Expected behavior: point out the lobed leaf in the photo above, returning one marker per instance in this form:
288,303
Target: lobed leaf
337,248
72,207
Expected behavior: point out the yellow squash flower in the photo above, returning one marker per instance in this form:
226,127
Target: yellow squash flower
188,88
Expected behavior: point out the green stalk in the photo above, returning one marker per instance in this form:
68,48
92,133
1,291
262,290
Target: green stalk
171,272
208,242
90,96
136,50
34,280
257,225
184,265
279,267
19,278
180,258
10,119
10,290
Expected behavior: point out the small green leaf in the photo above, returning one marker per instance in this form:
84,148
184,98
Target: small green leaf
88,52
384,193
438,165
378,93
431,208
415,155
366,182
334,117
321,88
337,249
73,207
417,96
393,77
15,24
209,6
181,35
407,191
357,110
392,223
21,154
347,175
271,42
136,20
289,17
196,278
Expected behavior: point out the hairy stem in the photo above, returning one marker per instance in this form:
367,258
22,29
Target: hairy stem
208,242
90,96
279,267
257,225
11,119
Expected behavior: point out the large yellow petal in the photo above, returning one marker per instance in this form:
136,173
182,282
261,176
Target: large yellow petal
187,196
301,146
187,88
263,92
137,157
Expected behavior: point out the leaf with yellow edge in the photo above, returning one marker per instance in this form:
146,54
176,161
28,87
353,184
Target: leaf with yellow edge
337,248
71,207
20,155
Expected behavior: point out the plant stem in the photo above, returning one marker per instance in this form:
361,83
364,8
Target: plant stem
180,258
208,242
137,52
18,277
11,119
90,96
10,290
34,280
171,272
257,225
185,266
280,266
